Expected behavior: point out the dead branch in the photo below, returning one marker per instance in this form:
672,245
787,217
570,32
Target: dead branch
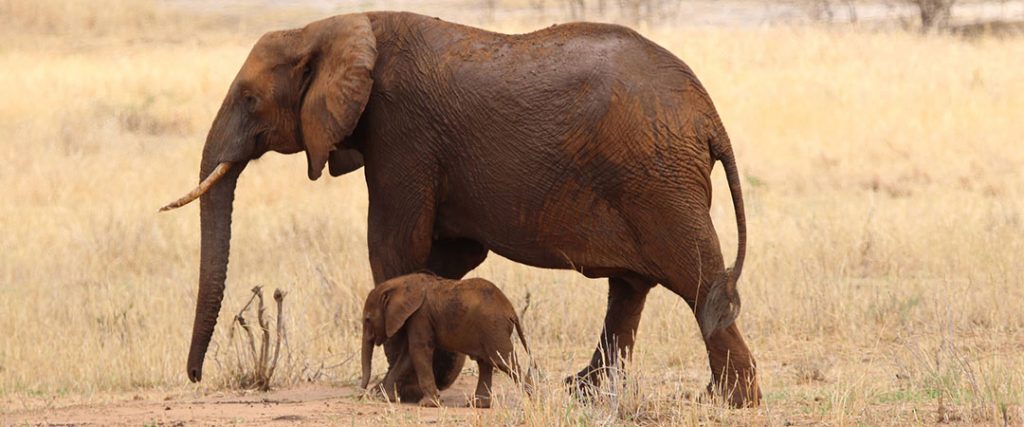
252,339
264,364
261,316
279,299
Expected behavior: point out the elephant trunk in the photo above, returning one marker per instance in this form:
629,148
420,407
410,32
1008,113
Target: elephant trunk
215,207
367,361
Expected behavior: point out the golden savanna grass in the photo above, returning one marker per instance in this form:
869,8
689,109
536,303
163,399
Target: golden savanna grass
882,175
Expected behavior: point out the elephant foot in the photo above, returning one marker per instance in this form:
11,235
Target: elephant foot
482,402
430,402
382,391
584,385
410,392
741,396
733,369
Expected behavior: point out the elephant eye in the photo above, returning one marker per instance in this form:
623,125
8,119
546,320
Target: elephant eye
250,101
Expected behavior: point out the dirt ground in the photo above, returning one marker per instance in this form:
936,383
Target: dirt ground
302,405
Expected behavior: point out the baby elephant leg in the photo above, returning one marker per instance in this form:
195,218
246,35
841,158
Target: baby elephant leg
482,397
423,361
421,351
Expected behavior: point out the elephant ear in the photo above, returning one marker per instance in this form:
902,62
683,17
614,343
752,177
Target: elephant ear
343,161
401,302
345,50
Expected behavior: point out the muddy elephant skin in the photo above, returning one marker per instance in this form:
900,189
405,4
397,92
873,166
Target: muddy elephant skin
580,146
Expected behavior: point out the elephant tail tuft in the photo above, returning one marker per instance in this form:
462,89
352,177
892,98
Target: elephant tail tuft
721,305
531,371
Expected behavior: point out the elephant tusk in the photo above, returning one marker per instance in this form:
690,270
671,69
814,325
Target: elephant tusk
211,179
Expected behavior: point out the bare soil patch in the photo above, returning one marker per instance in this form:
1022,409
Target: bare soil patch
306,404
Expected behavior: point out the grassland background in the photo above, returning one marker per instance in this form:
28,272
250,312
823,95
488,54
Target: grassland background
883,181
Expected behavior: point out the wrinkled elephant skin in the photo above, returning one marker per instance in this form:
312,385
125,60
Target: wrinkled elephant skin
579,146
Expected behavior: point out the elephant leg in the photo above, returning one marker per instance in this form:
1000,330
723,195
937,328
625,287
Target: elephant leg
389,385
733,369
399,237
421,342
421,360
453,258
626,299
482,396
446,366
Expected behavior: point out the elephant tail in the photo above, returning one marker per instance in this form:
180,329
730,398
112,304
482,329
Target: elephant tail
519,331
531,370
722,303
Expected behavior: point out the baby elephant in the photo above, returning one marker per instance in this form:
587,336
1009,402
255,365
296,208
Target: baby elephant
427,312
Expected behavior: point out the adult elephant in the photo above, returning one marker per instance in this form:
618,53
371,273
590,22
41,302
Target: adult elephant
581,146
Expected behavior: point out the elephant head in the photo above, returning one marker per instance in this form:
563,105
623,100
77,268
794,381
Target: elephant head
298,90
387,308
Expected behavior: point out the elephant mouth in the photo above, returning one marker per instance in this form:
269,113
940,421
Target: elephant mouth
200,189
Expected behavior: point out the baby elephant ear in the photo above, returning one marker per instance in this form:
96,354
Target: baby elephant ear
402,302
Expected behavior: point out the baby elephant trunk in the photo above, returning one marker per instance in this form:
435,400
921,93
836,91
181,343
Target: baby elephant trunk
367,361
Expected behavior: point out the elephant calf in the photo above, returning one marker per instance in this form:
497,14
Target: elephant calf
427,312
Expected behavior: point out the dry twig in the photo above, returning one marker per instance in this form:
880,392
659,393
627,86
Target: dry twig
264,364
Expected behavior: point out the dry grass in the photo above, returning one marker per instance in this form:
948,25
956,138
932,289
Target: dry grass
884,190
